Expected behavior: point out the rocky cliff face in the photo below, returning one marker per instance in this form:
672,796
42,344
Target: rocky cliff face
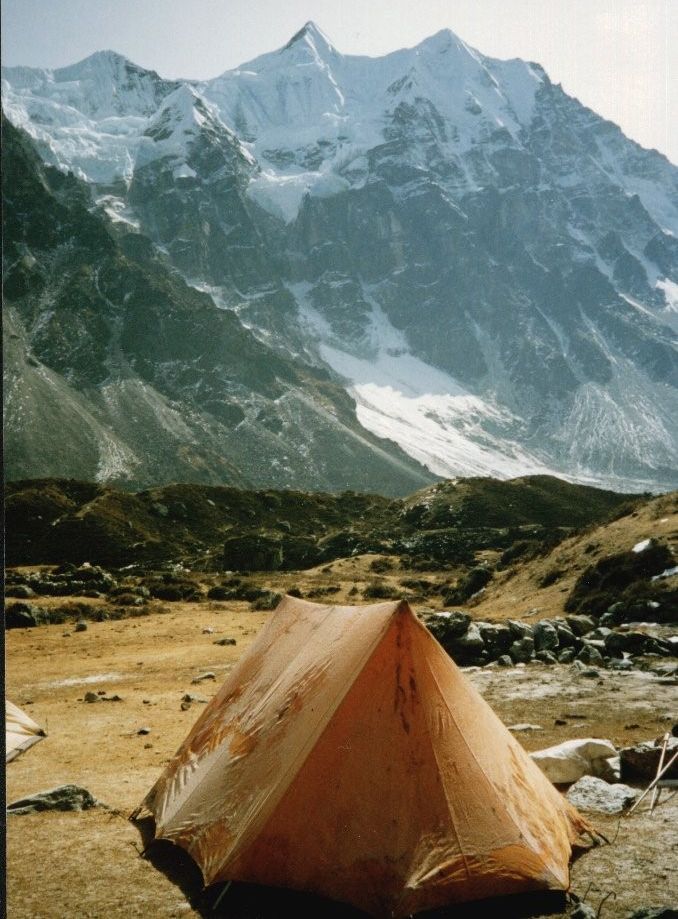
117,370
488,267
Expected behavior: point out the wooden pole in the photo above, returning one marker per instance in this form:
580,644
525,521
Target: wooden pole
657,792
654,782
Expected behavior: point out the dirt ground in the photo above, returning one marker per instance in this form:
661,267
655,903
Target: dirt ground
88,865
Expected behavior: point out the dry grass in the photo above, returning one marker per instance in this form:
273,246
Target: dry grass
515,593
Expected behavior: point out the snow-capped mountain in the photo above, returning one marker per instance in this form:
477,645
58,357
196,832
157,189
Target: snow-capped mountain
489,267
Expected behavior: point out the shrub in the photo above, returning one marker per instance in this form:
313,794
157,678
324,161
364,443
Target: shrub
267,601
380,591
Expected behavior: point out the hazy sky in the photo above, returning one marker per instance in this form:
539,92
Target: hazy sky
620,57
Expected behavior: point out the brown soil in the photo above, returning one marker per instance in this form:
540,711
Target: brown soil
88,864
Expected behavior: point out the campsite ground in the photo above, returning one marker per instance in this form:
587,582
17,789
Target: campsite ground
87,864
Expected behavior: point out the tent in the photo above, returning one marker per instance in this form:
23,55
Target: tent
347,755
21,732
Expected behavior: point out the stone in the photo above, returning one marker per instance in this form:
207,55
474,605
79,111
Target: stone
469,646
62,798
447,625
546,657
596,796
568,761
497,637
187,697
610,770
522,650
599,634
21,591
209,675
519,629
92,697
580,625
504,660
524,727
636,643
622,664
144,731
566,656
23,616
80,626
224,641
545,636
641,760
566,637
590,654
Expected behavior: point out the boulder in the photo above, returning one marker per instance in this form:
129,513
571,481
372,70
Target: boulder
545,636
467,648
598,634
569,761
63,798
448,625
497,637
519,629
641,760
24,616
596,796
21,591
504,660
580,625
522,650
566,656
546,657
566,637
616,643
590,654
610,770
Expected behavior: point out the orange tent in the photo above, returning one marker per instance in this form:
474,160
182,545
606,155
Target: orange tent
347,755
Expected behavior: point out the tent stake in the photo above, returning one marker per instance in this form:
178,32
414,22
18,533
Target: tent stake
221,896
657,792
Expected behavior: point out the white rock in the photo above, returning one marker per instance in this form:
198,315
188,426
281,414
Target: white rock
570,760
596,795
519,728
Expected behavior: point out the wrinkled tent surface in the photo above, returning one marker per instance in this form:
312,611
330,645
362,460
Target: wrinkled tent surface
347,755
21,732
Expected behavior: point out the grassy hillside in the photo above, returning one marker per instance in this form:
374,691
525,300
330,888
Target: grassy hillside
58,520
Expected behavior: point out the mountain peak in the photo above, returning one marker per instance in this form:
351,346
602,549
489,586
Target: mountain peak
97,62
313,37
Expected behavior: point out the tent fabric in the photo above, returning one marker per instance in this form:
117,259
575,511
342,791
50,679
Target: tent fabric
347,755
21,732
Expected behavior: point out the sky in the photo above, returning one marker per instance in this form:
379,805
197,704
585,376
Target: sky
619,57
